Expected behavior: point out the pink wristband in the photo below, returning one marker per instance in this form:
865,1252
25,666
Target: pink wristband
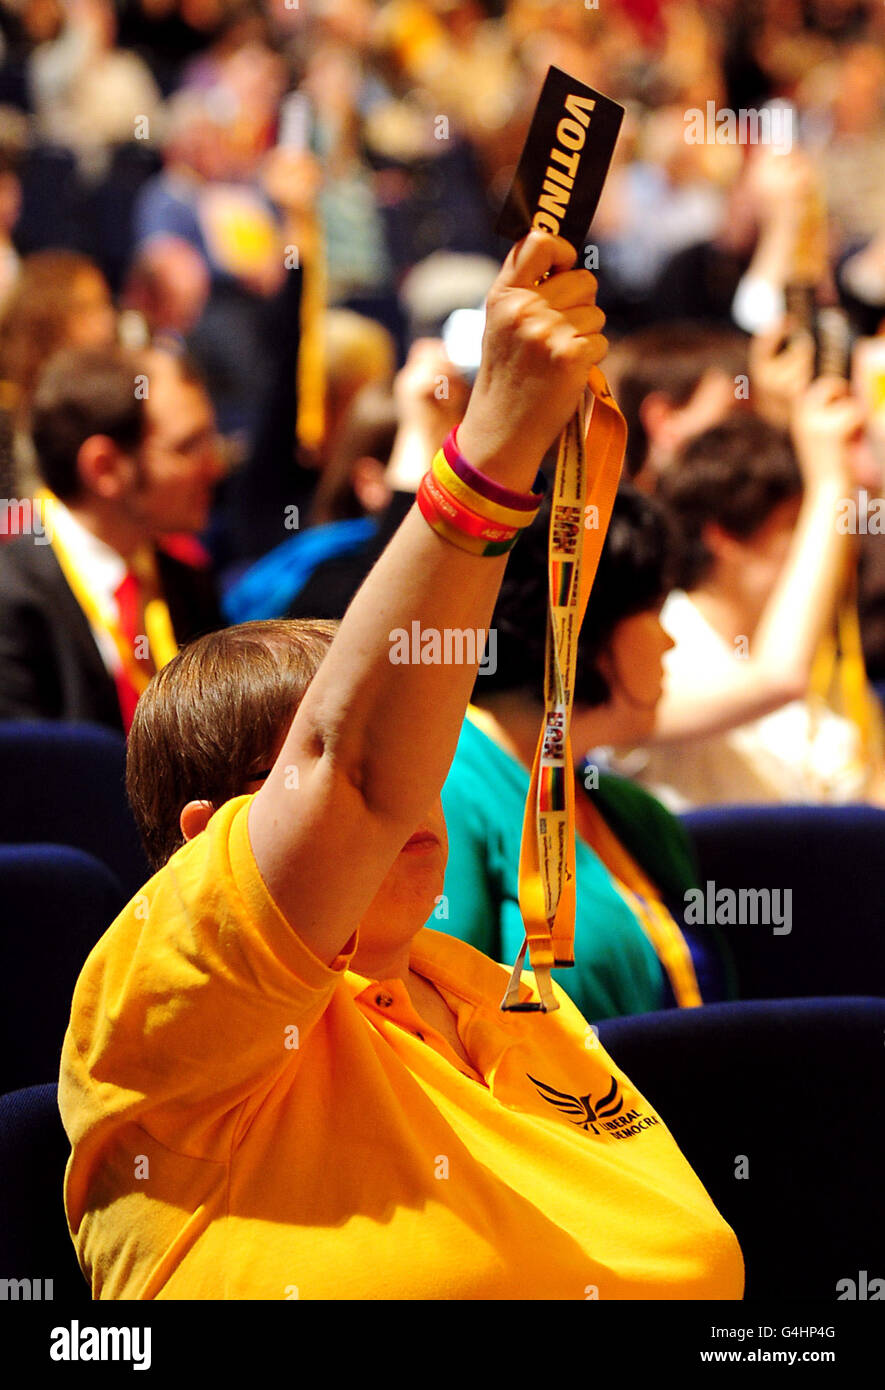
487,487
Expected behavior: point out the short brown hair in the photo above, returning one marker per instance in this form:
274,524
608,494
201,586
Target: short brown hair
82,392
733,475
86,391
213,716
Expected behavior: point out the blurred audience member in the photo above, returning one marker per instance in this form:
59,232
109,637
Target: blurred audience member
673,382
351,495
430,397
13,140
764,567
357,352
60,299
850,149
88,94
354,236
353,482
441,284
168,285
211,194
92,604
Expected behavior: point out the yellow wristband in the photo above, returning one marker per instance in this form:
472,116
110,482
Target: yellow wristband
492,511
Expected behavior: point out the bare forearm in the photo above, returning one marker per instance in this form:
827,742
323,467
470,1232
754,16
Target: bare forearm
772,258
785,641
366,704
392,726
801,607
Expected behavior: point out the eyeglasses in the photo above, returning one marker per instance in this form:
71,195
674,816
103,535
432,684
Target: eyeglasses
194,446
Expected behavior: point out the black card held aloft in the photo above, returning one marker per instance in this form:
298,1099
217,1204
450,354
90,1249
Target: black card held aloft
564,162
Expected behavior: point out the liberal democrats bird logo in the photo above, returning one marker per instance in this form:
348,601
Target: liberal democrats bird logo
578,1108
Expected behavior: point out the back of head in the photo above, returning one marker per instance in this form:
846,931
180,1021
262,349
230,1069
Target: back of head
213,717
732,476
357,350
83,392
36,315
635,574
670,358
368,430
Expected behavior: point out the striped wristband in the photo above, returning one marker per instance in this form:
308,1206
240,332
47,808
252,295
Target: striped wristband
474,545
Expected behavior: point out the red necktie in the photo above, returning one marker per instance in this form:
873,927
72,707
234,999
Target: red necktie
128,608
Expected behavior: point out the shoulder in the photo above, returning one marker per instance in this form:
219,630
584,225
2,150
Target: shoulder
481,981
695,638
622,796
28,568
207,883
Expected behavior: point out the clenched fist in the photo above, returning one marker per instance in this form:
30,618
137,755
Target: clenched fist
541,338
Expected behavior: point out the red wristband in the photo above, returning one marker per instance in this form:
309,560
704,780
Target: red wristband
456,537
456,514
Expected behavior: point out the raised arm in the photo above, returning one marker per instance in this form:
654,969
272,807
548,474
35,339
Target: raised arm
373,740
802,603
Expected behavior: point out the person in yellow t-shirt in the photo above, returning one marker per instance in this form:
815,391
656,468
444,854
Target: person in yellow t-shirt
276,1082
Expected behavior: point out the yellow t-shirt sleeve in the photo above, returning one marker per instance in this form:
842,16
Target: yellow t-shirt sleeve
195,999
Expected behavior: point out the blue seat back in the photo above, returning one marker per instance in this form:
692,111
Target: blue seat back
34,1240
64,785
831,860
777,1106
55,903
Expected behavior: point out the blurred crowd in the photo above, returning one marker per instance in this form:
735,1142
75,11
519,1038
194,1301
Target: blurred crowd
245,249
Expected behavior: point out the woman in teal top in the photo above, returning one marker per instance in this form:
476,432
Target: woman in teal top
617,970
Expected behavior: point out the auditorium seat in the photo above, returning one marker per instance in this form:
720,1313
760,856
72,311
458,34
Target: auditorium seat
65,786
832,859
57,902
787,1093
34,1240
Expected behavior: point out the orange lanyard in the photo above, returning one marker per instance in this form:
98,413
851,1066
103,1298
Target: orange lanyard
642,897
588,469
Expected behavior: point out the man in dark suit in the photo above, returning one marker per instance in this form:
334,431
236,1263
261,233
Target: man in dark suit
127,445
